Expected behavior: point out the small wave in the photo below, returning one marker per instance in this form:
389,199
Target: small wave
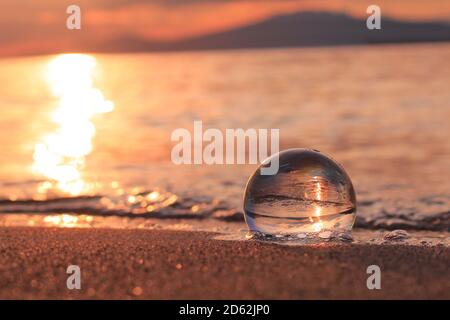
429,213
155,203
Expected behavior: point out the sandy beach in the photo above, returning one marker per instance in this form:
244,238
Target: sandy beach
151,264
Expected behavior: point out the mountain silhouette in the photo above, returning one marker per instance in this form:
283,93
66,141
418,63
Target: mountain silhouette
297,30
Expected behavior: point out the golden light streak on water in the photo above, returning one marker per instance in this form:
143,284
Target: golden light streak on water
318,193
63,220
317,227
60,155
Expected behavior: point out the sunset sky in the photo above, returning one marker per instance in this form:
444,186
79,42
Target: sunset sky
33,26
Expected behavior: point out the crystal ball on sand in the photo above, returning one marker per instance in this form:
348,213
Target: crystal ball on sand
310,195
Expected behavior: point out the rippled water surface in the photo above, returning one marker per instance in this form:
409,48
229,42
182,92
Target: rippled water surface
85,137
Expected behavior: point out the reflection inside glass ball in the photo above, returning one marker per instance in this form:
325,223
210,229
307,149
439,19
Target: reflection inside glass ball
310,195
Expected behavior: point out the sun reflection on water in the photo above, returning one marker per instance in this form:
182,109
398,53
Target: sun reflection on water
60,155
317,227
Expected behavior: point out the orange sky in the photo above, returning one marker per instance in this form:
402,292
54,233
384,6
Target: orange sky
28,25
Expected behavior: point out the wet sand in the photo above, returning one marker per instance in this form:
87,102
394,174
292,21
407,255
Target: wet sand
156,264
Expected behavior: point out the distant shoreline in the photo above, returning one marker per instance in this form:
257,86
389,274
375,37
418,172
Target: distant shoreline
296,30
340,46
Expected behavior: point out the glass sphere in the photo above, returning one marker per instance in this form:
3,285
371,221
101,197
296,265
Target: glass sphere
310,195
